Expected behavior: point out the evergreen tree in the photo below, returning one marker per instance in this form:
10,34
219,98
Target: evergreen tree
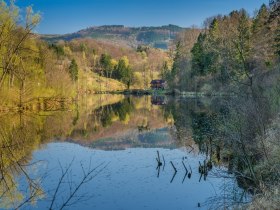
274,4
212,48
106,64
73,70
242,43
213,30
123,72
58,50
275,10
261,51
198,55
176,65
165,72
261,19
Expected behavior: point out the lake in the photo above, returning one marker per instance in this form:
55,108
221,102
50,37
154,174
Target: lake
118,152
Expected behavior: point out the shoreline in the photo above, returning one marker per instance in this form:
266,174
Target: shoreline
63,103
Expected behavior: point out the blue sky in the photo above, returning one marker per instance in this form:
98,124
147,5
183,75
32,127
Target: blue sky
66,16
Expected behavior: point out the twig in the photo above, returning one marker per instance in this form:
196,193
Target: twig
173,166
185,167
87,177
64,173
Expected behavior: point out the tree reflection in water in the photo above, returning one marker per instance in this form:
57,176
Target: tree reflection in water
204,124
114,123
20,135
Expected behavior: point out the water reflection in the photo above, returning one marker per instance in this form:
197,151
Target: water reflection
142,149
158,100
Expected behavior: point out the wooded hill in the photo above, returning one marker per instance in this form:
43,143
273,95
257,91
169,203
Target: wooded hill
158,37
134,67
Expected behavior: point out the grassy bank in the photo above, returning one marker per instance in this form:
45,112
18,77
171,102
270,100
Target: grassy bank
268,171
90,82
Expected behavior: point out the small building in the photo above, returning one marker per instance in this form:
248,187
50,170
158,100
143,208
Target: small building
158,84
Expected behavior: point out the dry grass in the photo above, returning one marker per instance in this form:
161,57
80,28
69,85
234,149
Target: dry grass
89,81
269,199
269,171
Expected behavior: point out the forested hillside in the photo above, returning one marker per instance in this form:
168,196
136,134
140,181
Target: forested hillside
134,67
31,68
158,37
234,50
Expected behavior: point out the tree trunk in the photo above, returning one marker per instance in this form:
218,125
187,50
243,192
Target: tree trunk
11,80
2,78
21,93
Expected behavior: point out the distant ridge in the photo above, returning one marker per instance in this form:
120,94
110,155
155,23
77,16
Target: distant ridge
155,36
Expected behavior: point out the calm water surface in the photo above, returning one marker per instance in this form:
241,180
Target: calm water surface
103,154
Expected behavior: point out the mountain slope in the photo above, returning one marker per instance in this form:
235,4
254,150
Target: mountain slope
158,37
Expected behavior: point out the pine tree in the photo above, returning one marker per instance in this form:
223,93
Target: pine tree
123,72
165,72
261,19
73,70
275,10
178,55
106,64
198,56
261,50
212,48
243,41
274,4
213,30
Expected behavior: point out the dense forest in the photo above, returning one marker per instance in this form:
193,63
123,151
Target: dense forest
235,50
237,55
